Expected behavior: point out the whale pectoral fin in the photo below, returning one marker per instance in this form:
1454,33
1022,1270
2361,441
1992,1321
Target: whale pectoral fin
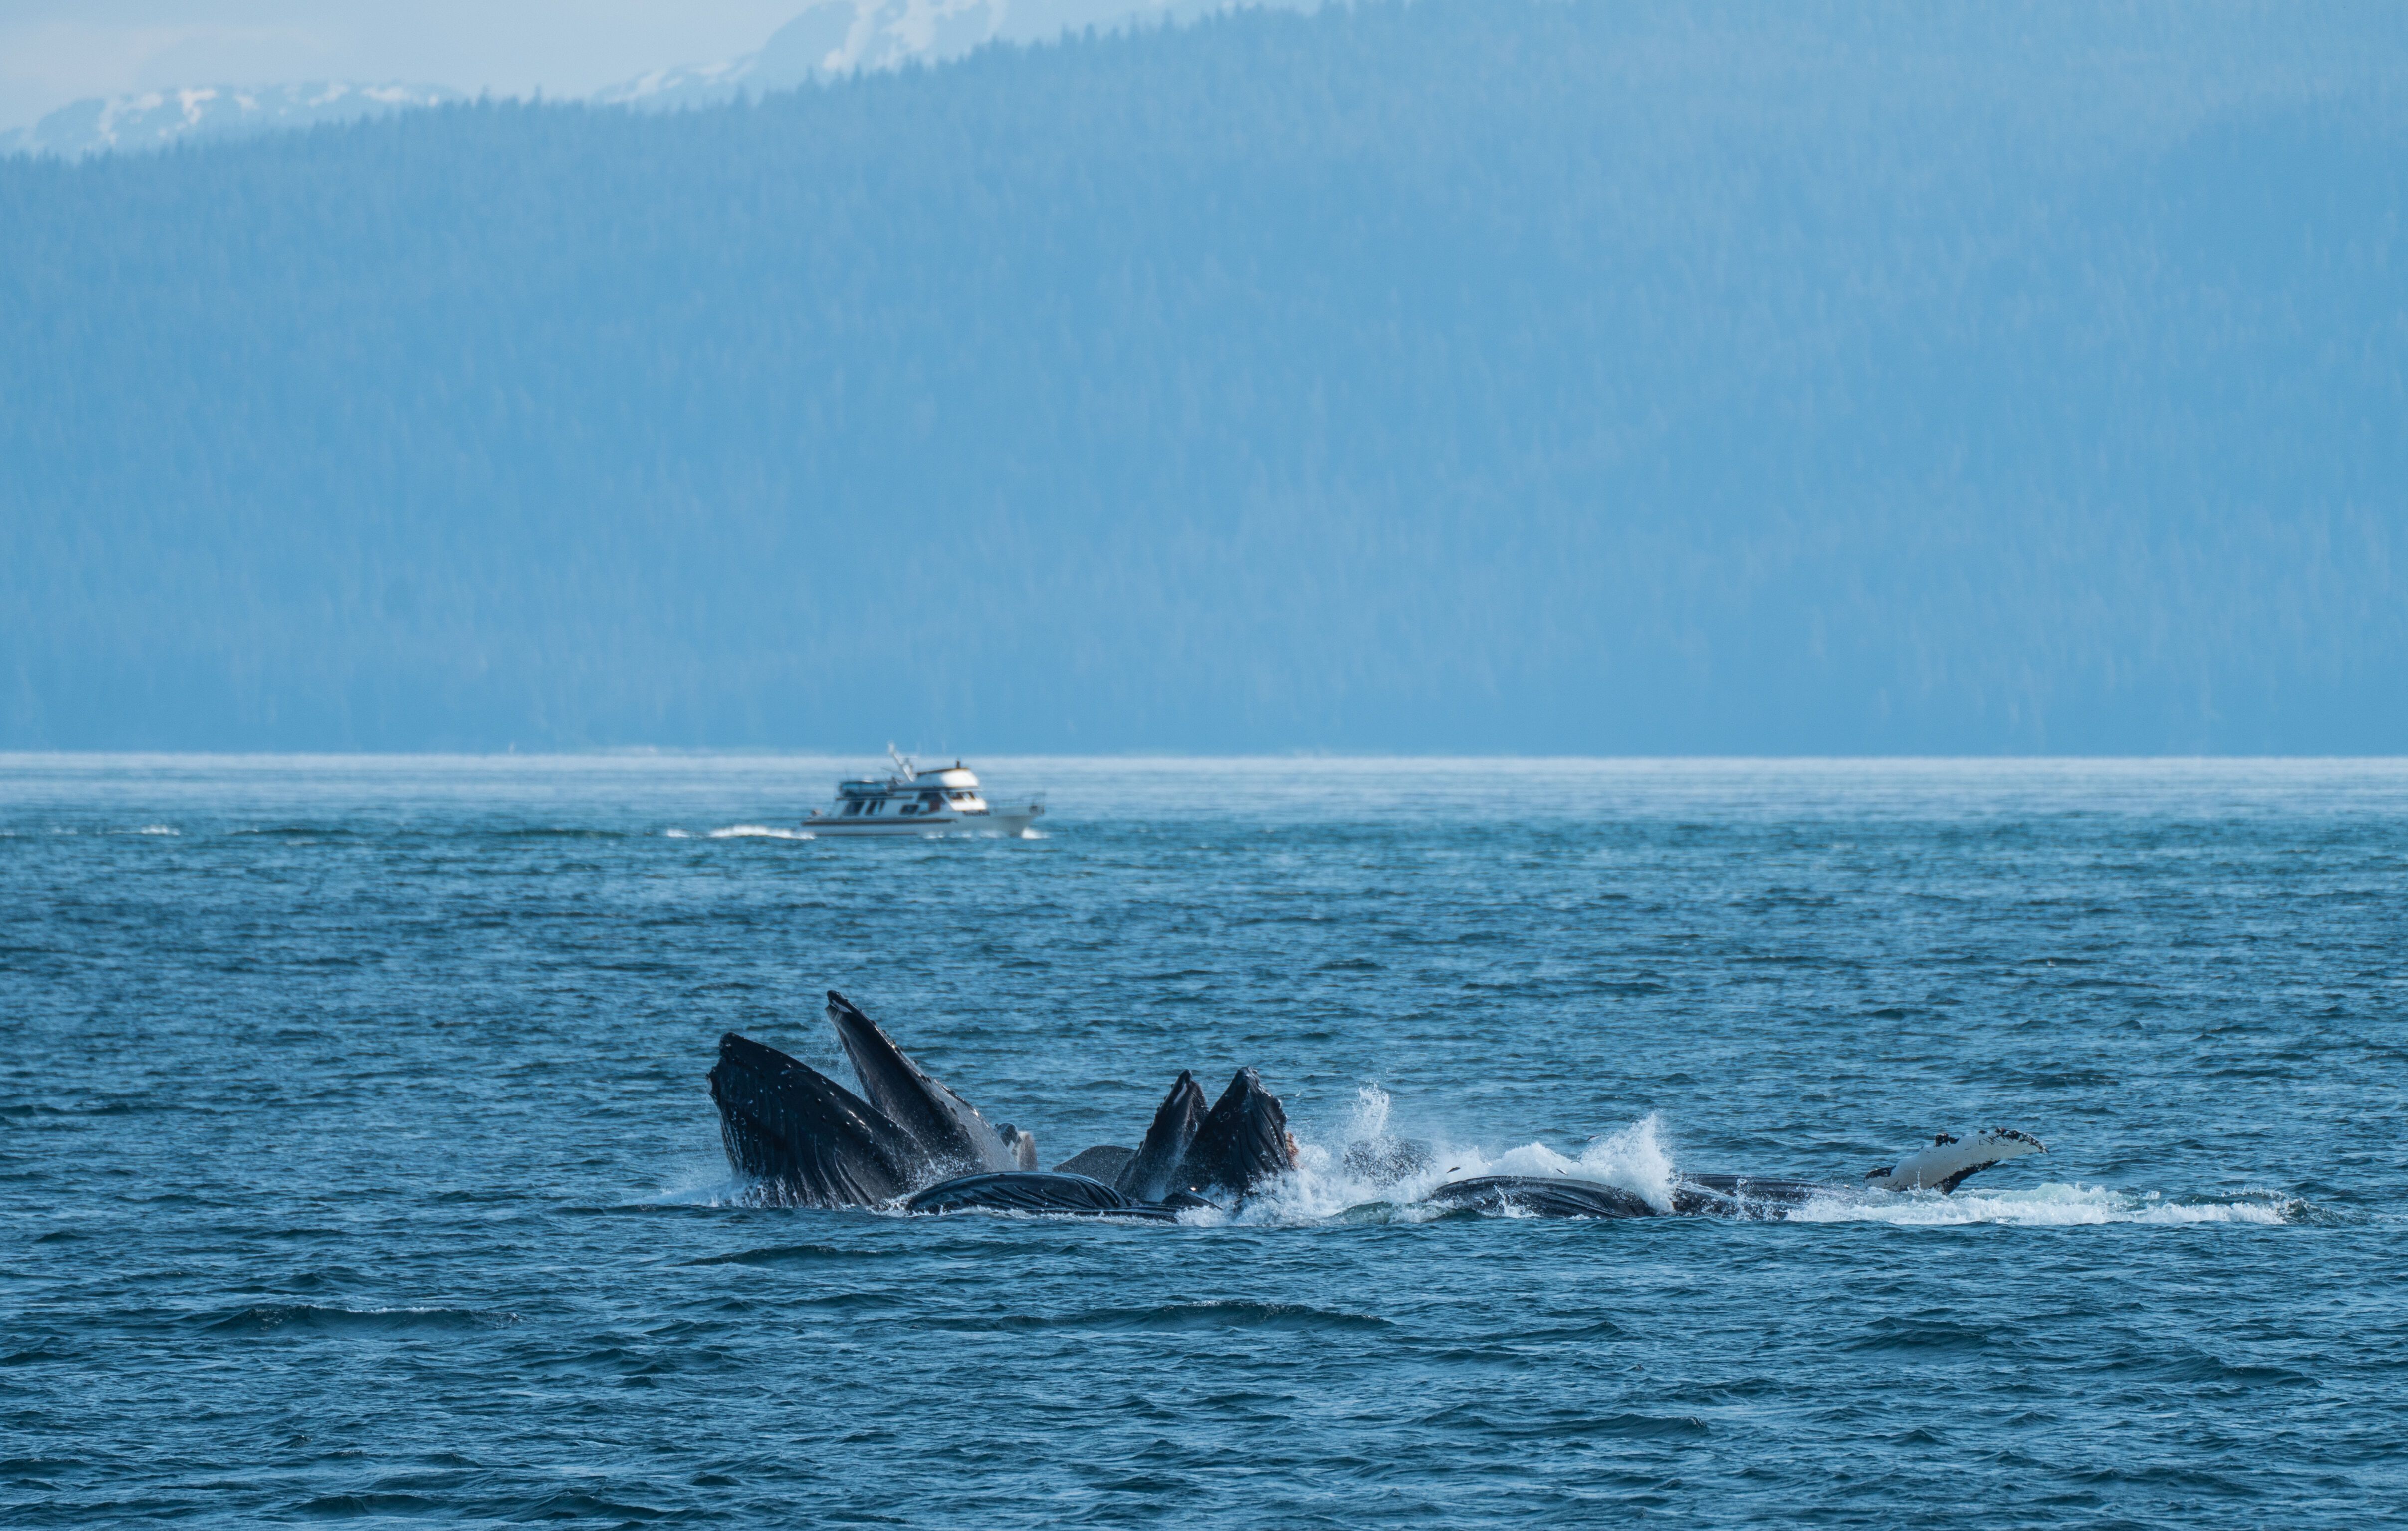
1946,1163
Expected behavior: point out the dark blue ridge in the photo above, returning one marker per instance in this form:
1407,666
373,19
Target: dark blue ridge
1179,1317
791,1254
272,1318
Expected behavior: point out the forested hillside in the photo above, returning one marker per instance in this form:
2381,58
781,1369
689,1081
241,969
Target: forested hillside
1460,375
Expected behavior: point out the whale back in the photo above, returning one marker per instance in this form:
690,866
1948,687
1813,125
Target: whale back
807,1139
1540,1196
949,1129
1156,1168
1104,1162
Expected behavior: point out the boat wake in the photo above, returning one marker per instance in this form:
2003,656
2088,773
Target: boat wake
754,832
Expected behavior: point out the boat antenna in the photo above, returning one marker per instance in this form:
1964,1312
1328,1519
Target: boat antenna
902,762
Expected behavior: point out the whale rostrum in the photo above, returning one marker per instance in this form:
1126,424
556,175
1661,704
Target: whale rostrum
911,1142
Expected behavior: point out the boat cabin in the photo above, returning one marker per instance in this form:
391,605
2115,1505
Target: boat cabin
951,790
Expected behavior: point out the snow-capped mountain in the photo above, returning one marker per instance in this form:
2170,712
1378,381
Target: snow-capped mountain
830,38
155,119
837,37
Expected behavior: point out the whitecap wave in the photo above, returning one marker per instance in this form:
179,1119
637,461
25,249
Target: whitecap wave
158,829
761,832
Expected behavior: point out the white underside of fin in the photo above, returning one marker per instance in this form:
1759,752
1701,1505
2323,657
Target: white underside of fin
1943,1164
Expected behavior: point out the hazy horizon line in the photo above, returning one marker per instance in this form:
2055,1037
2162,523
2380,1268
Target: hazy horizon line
926,758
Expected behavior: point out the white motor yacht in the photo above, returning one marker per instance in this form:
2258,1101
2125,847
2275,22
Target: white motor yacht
943,801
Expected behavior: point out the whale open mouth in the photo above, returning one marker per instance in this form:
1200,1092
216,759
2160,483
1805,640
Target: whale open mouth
910,1140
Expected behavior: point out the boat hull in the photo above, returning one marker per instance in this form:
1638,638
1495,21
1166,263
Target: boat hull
1011,825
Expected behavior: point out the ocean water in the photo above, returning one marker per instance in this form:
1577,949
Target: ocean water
357,1163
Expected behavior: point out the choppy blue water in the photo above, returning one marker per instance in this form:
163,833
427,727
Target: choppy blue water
357,1161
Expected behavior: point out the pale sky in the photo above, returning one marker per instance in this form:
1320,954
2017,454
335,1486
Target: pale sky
54,51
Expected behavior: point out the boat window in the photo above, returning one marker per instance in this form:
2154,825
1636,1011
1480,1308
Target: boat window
853,810
930,801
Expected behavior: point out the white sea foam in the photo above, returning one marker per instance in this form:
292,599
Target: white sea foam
158,829
761,832
2055,1205
700,1181
676,835
1371,1166
1365,1167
